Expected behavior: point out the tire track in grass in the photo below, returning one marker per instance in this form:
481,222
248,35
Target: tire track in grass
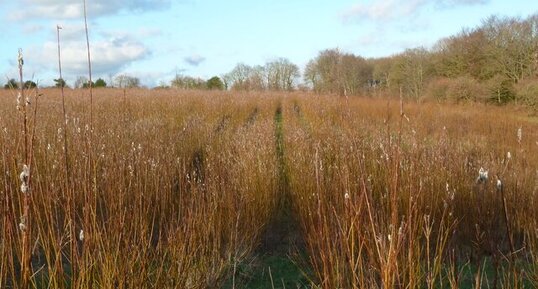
284,225
272,266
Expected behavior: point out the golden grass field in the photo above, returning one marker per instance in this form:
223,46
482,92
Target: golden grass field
182,189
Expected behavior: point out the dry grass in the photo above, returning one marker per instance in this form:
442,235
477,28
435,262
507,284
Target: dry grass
182,187
183,183
394,202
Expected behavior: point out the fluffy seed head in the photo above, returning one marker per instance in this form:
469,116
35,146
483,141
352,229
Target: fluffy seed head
24,174
24,188
20,58
482,175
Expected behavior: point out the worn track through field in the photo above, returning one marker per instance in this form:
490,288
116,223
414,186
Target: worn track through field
273,264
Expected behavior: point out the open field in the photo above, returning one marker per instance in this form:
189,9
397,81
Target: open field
203,189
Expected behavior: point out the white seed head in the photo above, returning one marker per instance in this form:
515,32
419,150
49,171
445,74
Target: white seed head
24,188
24,174
508,155
20,58
81,235
22,224
346,196
499,184
482,175
19,100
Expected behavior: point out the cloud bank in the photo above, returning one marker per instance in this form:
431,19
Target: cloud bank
69,9
109,56
388,10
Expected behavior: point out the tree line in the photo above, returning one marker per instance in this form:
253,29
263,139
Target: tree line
120,81
278,74
496,62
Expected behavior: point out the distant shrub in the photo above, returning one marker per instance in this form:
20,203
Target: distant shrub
215,83
437,89
30,84
465,88
501,90
100,83
11,84
459,89
527,93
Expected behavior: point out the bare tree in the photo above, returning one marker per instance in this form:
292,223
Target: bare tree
335,72
281,74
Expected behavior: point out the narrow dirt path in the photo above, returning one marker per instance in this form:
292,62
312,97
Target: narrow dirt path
272,265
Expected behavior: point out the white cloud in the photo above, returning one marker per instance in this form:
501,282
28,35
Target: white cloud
388,10
461,2
194,60
446,4
380,10
68,9
108,56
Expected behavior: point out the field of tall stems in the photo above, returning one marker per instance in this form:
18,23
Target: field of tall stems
180,189
394,195
172,192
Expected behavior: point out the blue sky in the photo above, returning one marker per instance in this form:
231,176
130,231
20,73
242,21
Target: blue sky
155,39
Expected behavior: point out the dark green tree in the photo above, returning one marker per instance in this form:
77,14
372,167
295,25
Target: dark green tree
100,83
60,82
30,84
501,90
215,83
11,84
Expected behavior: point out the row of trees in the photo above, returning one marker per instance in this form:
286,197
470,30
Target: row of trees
13,84
279,74
188,82
497,61
121,81
335,72
84,82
